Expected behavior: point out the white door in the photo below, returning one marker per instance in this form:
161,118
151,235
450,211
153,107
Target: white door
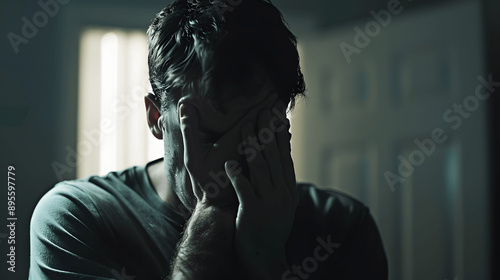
402,128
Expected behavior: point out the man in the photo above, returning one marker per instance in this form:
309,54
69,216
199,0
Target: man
223,202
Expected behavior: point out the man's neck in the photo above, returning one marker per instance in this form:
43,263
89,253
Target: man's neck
158,177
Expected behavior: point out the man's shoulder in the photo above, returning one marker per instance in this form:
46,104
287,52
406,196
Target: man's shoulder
329,199
78,188
95,185
85,194
329,210
66,207
71,197
333,227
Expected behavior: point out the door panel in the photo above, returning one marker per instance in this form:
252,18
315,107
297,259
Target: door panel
388,112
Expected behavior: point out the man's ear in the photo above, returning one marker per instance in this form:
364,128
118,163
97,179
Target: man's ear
153,115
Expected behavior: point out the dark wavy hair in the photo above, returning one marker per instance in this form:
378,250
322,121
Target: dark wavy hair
196,46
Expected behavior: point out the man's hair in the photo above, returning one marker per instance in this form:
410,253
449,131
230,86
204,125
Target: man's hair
197,46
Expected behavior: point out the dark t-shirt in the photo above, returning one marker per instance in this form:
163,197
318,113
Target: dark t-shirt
117,227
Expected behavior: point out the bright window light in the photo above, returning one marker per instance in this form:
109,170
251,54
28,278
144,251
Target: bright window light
113,80
109,95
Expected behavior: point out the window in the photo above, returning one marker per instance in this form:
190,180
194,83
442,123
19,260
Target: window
113,80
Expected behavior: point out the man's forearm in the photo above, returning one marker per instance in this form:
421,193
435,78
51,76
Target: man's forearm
206,249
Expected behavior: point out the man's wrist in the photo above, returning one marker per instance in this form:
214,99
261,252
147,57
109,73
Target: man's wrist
218,214
205,251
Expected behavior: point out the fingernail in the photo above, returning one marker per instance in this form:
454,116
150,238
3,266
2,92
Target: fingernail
184,110
228,167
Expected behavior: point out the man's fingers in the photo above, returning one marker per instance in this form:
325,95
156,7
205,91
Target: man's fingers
283,142
257,166
271,154
250,116
241,185
189,127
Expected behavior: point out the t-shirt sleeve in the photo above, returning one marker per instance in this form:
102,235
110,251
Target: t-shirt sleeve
366,259
66,238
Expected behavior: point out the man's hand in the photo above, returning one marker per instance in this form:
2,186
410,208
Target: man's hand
205,161
268,198
251,221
